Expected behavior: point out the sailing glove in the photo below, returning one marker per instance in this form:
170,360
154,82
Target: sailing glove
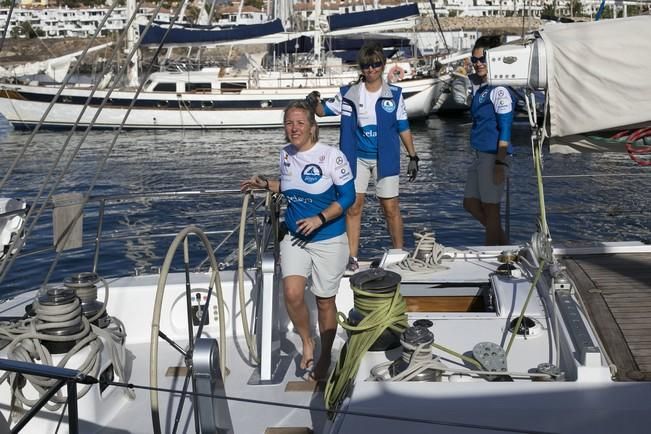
313,99
412,167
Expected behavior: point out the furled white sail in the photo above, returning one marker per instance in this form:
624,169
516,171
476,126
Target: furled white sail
597,75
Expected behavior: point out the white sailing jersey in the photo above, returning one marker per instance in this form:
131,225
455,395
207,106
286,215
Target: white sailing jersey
366,134
311,180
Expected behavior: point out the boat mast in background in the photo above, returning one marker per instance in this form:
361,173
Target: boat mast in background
132,37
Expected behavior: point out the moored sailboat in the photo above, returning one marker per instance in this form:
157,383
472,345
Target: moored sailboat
478,339
204,99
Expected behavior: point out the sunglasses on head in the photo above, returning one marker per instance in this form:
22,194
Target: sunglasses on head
371,65
481,59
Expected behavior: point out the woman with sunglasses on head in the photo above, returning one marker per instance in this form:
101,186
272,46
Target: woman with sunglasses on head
318,184
373,123
490,137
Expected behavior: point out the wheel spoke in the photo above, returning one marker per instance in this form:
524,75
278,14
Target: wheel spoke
173,344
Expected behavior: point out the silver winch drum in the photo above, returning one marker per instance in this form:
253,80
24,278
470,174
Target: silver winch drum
380,281
85,287
52,298
414,336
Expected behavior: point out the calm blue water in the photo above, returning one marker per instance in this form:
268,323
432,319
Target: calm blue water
612,204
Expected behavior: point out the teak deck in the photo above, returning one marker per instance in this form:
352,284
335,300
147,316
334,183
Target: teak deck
616,289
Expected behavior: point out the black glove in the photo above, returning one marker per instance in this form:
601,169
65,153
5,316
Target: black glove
313,99
412,167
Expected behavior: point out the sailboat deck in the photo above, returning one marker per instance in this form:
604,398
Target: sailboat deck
616,290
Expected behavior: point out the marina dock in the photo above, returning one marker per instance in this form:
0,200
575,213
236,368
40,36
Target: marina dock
616,290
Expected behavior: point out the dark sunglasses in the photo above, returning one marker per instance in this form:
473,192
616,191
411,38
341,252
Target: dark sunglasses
481,59
369,65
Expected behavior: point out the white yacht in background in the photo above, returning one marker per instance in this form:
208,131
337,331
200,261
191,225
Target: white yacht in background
211,98
531,338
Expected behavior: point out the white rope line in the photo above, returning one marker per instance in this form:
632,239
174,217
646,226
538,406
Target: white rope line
427,256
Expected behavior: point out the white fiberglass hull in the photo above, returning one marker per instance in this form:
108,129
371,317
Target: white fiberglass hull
24,106
586,401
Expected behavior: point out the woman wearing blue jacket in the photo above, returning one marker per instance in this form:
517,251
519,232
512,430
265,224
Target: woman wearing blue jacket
373,123
490,137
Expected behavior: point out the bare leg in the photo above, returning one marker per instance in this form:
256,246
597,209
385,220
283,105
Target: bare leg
391,208
327,329
494,233
294,289
474,207
354,224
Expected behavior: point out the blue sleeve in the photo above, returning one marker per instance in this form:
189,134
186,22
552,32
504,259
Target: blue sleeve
504,122
403,125
327,111
345,194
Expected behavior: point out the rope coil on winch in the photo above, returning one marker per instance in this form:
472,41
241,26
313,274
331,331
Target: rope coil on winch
381,311
54,326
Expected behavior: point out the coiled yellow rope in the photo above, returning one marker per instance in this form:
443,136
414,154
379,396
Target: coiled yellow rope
381,311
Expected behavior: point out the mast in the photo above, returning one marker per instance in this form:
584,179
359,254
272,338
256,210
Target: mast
317,33
132,37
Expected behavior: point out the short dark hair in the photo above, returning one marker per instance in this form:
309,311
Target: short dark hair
371,52
487,42
301,104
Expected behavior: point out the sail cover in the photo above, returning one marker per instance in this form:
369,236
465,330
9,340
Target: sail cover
367,18
200,36
345,48
597,75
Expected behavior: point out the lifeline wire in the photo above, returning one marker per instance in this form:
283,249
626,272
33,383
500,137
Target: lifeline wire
337,411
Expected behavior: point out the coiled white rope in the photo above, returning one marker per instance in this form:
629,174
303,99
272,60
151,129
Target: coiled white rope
427,257
26,345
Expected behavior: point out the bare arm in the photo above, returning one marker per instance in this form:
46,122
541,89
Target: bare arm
318,110
258,182
408,142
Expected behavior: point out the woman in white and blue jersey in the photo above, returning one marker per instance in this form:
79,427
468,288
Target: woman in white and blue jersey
373,124
318,184
490,137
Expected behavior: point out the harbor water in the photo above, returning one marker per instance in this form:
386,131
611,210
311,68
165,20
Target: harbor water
589,197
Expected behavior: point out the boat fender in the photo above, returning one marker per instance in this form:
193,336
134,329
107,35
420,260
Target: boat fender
396,73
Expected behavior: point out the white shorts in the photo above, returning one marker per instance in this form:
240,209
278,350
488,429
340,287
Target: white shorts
325,261
385,188
479,184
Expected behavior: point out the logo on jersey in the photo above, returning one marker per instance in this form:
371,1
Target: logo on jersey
388,105
286,160
340,161
311,173
503,103
482,97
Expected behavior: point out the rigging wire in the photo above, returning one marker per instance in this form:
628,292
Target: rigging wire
19,242
64,83
334,412
100,168
121,74
5,266
12,3
438,24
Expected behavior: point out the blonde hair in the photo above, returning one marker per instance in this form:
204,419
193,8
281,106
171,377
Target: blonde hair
301,104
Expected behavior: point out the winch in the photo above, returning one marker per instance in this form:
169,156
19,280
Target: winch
84,286
58,315
372,288
416,354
